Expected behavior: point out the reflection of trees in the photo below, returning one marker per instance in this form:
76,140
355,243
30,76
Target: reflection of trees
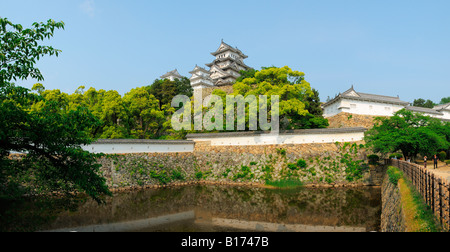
308,206
328,207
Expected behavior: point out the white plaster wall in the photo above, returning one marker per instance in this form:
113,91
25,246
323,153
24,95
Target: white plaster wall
109,148
284,139
332,110
361,108
202,80
172,78
204,75
446,115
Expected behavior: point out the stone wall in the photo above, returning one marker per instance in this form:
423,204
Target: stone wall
328,165
208,91
345,120
392,217
126,171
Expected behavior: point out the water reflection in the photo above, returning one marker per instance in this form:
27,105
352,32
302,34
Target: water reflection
222,209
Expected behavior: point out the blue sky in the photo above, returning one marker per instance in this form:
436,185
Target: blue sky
381,47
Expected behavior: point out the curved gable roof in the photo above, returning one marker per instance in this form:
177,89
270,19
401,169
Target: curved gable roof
171,73
352,94
423,110
442,107
225,47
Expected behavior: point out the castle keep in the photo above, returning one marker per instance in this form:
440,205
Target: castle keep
223,70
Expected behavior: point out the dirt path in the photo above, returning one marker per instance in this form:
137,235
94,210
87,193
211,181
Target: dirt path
443,169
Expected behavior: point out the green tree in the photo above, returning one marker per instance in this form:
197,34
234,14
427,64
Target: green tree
183,87
144,112
59,98
410,133
314,118
299,104
114,116
77,98
165,90
93,100
246,74
445,100
422,103
39,88
50,137
20,49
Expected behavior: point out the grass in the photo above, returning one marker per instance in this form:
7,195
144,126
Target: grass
394,175
418,216
288,183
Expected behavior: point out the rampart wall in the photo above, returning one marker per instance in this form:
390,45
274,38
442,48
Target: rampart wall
231,158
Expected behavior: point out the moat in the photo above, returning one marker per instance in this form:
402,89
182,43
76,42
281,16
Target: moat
207,208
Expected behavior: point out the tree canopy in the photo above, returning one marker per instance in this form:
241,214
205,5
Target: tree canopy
423,103
134,115
41,125
164,89
445,100
408,132
21,48
299,104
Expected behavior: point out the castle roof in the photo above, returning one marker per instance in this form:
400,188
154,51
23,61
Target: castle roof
222,82
237,61
442,107
424,110
353,95
172,73
226,47
199,69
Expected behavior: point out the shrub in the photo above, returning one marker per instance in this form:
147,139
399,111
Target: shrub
312,171
268,172
396,155
329,179
177,175
244,174
161,176
199,175
227,171
301,163
292,166
281,152
442,156
373,159
394,175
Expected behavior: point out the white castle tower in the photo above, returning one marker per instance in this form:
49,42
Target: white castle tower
224,70
172,75
200,78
